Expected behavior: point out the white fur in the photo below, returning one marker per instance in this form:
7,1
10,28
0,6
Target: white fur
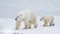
47,20
25,15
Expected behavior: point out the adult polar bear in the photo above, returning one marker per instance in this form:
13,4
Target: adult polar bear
48,20
28,16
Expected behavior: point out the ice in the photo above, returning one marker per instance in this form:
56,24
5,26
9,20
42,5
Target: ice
7,26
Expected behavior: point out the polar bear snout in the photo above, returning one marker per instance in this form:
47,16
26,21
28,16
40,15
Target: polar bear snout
40,19
15,18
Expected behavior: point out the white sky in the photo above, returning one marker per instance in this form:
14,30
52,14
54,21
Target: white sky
8,8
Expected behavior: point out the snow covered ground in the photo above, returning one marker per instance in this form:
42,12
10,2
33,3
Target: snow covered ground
7,26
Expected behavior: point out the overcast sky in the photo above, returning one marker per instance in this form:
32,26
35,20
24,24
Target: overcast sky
8,8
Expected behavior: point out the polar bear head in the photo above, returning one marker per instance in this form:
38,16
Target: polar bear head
20,16
43,18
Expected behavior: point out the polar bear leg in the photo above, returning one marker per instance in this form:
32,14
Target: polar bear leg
30,24
17,25
34,22
35,25
27,24
46,23
52,23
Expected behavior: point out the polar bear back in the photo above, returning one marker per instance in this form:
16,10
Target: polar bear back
26,13
49,18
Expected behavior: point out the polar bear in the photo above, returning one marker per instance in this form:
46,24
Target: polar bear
28,16
48,20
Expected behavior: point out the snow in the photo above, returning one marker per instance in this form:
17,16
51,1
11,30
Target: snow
7,26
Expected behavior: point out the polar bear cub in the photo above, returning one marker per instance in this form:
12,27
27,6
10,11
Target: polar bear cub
28,16
48,20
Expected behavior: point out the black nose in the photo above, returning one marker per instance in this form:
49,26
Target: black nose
15,18
40,19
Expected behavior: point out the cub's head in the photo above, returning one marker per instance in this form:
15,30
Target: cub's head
42,18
